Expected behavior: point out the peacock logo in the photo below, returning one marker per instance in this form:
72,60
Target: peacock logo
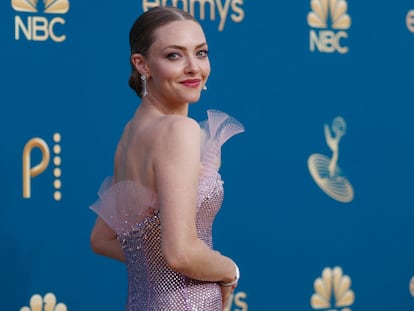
335,10
333,291
39,28
326,15
46,303
45,6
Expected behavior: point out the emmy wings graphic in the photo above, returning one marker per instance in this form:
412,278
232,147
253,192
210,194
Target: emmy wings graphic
325,171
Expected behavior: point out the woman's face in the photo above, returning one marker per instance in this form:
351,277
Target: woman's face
178,63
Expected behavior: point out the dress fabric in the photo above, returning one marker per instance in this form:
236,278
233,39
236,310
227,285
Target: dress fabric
132,212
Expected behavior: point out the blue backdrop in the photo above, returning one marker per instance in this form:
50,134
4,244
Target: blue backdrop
318,208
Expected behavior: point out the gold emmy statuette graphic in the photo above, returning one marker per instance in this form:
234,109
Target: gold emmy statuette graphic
28,170
47,303
325,170
332,286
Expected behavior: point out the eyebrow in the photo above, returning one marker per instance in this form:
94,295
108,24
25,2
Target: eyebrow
182,48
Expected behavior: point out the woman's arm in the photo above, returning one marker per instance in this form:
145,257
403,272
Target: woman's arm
176,169
104,241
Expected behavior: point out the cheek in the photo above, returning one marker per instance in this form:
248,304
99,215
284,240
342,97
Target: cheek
206,69
168,72
160,69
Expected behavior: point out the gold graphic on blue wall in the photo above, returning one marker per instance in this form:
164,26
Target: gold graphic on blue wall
49,6
223,10
328,14
46,303
237,300
35,27
412,286
32,170
332,291
325,171
410,20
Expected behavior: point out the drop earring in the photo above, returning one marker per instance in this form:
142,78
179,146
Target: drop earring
205,87
144,85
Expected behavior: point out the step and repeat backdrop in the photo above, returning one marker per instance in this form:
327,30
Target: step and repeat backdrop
319,209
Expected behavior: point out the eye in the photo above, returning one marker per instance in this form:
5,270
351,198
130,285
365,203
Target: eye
173,55
202,53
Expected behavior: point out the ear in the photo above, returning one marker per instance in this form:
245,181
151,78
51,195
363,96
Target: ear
139,62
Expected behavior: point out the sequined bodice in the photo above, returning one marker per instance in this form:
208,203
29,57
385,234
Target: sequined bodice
132,211
152,285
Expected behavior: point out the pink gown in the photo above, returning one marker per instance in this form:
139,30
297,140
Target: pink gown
132,212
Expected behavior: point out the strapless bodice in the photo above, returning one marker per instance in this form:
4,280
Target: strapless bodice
132,212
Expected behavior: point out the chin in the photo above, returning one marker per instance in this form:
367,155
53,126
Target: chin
188,96
192,99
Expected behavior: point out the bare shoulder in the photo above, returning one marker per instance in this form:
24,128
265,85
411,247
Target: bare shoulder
178,138
180,128
181,122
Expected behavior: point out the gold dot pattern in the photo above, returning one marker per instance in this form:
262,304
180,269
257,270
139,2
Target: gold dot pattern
57,160
56,149
57,183
57,172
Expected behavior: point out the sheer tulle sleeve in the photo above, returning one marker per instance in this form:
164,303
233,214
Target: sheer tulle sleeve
123,204
216,130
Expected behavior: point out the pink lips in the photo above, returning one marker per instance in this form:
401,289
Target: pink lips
193,83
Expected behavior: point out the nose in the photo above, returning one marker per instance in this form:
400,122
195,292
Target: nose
192,66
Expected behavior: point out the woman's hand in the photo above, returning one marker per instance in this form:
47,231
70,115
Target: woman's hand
226,292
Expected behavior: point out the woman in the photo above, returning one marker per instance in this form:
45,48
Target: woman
156,212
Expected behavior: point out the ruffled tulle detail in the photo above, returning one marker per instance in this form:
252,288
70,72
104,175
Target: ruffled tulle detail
216,130
124,204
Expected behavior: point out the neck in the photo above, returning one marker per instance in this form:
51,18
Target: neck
163,107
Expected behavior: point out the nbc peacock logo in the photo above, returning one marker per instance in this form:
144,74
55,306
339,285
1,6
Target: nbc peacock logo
326,15
39,28
333,291
47,6
46,303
